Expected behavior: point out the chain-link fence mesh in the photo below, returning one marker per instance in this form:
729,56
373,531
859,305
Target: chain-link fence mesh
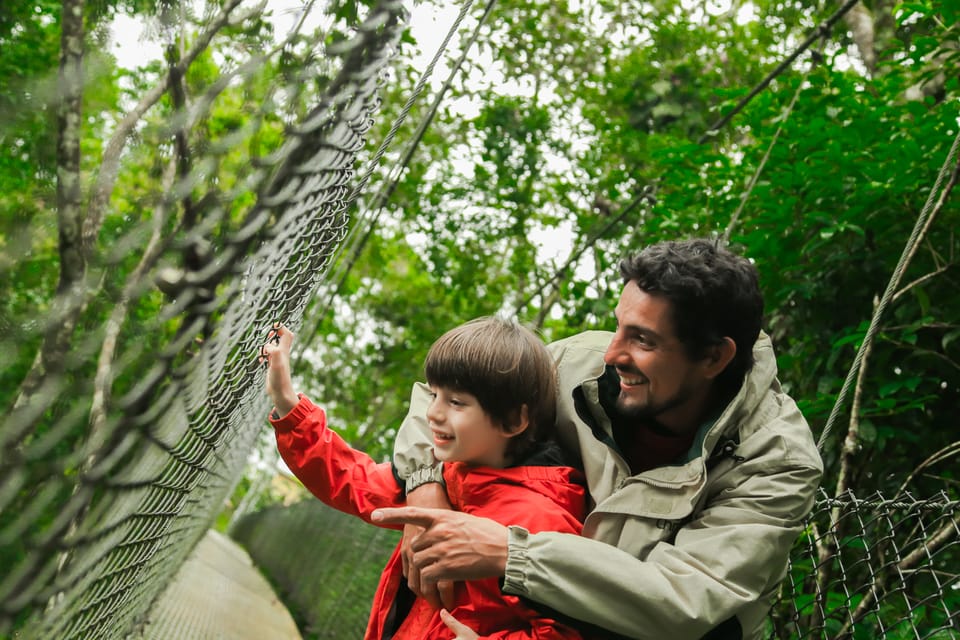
105,490
324,564
885,569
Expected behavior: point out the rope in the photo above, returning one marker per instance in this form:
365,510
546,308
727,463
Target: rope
821,31
725,238
908,250
353,240
417,90
354,243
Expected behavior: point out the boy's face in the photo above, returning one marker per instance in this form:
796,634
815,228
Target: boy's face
463,431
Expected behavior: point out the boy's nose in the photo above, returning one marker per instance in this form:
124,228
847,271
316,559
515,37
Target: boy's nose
434,414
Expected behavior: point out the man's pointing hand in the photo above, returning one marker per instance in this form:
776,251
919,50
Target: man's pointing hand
454,545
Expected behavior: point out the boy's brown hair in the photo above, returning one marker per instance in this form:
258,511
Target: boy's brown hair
505,366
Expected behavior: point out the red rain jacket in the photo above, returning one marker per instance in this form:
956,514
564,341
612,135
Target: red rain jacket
538,498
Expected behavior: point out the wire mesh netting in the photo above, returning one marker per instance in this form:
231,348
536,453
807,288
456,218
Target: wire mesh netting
874,568
329,582
120,449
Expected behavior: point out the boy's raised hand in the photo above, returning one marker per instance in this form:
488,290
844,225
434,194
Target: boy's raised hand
276,354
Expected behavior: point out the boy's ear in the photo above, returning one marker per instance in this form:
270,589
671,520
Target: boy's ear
521,420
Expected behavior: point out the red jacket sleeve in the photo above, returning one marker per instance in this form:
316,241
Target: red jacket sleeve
340,476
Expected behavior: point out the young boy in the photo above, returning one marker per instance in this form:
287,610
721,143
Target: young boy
492,410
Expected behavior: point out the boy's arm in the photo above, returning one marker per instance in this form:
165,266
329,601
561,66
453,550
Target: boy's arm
340,476
333,471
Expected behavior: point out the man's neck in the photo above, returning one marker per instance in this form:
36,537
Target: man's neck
687,420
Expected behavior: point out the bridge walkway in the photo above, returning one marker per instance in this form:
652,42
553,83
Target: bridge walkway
218,594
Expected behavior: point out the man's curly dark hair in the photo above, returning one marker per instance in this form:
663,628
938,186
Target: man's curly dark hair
713,292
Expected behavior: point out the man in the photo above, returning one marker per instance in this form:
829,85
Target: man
700,468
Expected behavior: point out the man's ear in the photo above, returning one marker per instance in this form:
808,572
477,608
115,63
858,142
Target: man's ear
520,421
719,356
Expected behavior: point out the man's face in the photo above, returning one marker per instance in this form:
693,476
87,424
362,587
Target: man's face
658,381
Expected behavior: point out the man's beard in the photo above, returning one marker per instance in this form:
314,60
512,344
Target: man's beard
650,411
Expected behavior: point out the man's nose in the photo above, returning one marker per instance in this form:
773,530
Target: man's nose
615,351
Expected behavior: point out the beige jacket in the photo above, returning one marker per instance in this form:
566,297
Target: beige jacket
678,551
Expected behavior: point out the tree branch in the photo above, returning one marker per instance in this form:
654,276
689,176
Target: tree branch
110,167
104,376
828,548
860,21
945,453
77,236
921,280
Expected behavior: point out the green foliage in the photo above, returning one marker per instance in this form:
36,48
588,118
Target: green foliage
571,120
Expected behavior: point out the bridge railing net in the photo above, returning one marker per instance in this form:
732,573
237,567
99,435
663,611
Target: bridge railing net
884,568
97,514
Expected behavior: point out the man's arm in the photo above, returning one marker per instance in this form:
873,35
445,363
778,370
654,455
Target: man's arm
727,558
415,463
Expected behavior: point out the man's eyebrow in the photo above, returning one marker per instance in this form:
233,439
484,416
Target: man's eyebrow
645,331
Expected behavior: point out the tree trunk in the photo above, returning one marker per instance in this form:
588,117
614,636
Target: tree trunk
73,265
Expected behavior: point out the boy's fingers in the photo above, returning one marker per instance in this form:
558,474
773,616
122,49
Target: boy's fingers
268,350
461,630
278,337
284,336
